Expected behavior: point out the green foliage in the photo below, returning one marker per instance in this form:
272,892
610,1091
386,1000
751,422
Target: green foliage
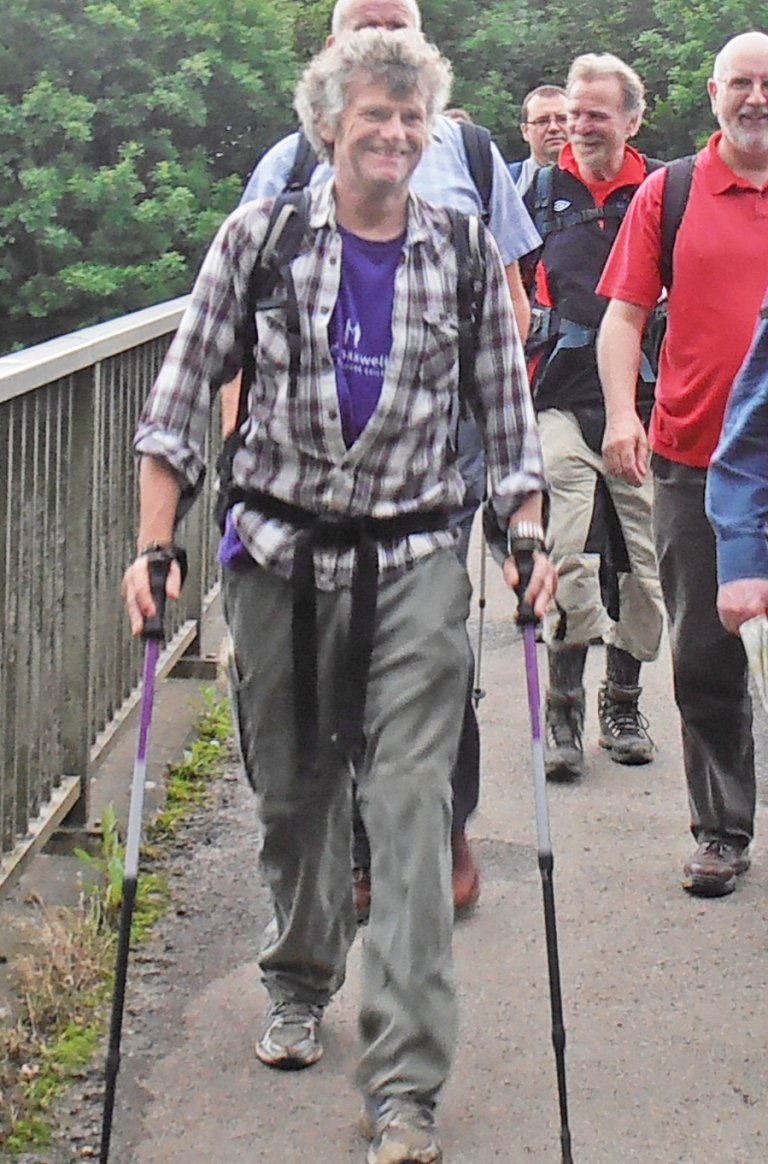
126,131
500,50
128,127
107,864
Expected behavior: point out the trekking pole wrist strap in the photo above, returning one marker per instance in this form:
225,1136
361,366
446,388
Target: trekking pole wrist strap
166,552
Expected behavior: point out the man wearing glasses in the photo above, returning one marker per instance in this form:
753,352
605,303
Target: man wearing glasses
543,121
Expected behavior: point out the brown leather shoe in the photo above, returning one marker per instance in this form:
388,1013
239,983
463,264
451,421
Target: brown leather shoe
466,875
361,879
712,870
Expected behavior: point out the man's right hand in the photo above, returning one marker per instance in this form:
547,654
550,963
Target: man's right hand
625,449
740,600
138,595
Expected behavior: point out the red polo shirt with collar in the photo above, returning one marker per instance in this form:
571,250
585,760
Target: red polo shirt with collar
720,278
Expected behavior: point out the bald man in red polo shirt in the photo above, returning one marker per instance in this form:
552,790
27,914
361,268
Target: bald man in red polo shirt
719,279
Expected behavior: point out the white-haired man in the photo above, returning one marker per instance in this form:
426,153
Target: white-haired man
337,466
720,275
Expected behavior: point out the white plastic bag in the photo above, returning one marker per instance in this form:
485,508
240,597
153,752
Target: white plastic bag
754,635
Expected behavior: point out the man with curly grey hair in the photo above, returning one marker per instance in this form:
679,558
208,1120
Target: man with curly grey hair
346,478
446,177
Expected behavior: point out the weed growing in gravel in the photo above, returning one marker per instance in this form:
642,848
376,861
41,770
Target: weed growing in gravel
64,983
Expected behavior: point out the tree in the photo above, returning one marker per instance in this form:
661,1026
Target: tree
125,135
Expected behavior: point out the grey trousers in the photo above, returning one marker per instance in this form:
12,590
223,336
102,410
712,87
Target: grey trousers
416,691
709,664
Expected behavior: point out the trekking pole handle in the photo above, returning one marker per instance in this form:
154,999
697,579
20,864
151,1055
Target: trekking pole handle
159,560
521,545
154,627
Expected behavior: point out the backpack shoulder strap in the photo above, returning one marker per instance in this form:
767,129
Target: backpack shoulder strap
304,164
540,199
515,170
674,200
469,244
477,147
282,239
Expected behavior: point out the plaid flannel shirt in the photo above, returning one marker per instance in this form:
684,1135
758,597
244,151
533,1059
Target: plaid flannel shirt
403,461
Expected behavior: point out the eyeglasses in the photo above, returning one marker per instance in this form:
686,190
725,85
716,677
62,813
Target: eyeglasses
543,122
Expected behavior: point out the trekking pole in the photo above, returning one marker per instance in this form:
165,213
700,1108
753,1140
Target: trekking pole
153,636
527,619
478,692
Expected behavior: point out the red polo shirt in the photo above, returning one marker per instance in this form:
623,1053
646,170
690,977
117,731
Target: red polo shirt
720,278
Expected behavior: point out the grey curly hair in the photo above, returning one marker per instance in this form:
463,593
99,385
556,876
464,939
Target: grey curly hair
595,66
403,60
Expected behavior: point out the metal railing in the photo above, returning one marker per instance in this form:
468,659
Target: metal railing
69,669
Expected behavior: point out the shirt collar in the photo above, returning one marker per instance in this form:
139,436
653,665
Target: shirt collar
715,174
322,212
632,171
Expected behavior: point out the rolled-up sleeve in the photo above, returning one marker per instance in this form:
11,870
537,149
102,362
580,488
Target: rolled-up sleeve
205,353
737,481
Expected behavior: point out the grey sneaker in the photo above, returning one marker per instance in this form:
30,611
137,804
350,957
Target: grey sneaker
402,1131
291,1036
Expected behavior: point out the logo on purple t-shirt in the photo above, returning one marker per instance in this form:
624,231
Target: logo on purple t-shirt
361,326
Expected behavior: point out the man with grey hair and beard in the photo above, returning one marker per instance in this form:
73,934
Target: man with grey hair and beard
577,206
337,465
720,263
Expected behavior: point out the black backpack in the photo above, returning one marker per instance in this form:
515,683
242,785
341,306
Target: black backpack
677,187
271,283
547,221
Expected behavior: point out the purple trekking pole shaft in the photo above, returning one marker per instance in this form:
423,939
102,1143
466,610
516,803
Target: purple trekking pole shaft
527,620
153,637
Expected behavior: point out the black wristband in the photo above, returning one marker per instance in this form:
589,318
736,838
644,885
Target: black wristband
166,552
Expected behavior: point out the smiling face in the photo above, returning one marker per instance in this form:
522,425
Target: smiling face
379,139
545,127
599,125
739,95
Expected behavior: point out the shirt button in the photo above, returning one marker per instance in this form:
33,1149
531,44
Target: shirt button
333,414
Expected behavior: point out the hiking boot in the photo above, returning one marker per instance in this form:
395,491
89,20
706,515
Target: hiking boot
402,1131
623,727
713,869
466,876
361,883
291,1036
563,749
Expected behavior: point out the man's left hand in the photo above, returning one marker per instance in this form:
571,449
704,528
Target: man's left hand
542,586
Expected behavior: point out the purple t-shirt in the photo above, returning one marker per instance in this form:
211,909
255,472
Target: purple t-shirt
360,336
360,331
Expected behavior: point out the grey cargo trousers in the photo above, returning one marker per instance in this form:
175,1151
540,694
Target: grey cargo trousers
415,700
